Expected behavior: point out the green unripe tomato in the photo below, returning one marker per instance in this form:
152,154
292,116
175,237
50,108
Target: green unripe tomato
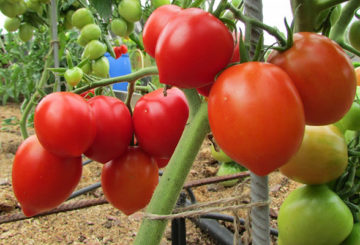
158,3
81,41
33,5
130,28
94,50
86,68
354,237
313,215
227,168
351,120
220,155
354,34
101,67
119,27
82,17
130,10
73,76
68,19
12,10
12,24
90,32
26,32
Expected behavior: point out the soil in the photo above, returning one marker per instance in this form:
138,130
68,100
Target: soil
104,224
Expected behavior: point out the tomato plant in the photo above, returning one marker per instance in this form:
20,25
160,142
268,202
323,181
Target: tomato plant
313,215
242,99
322,73
41,180
119,27
200,33
64,124
219,155
159,121
128,181
94,50
155,24
114,128
322,156
90,32
26,32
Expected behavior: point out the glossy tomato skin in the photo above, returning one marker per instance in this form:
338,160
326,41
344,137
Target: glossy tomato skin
322,156
322,73
41,180
114,128
313,215
193,47
64,124
155,24
160,120
129,181
256,116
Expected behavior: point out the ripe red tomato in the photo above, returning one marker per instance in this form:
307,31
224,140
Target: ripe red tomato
192,48
114,128
256,116
41,180
64,124
155,24
117,52
160,120
322,73
129,181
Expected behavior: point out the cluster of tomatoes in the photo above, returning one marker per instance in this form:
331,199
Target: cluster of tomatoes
48,166
268,115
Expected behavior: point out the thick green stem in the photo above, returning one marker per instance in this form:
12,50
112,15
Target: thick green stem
148,71
347,13
193,99
306,12
173,179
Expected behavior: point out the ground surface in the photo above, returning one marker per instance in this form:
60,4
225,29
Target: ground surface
104,224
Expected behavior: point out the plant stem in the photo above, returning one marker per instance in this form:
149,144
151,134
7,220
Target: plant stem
148,71
32,101
248,20
173,179
338,30
193,99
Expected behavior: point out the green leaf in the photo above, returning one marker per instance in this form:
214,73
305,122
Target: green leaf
103,8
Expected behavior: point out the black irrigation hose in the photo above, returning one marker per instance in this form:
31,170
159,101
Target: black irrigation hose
84,190
87,162
230,218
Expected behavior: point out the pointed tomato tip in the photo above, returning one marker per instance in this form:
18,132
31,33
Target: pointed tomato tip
29,212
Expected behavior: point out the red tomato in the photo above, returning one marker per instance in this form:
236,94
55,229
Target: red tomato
88,94
256,116
117,52
41,180
155,24
160,120
205,91
123,49
193,47
322,73
129,181
114,128
64,124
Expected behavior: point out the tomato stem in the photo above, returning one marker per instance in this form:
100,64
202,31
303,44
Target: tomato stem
148,71
173,179
271,30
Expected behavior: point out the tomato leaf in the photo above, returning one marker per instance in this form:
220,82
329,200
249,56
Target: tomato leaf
103,8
